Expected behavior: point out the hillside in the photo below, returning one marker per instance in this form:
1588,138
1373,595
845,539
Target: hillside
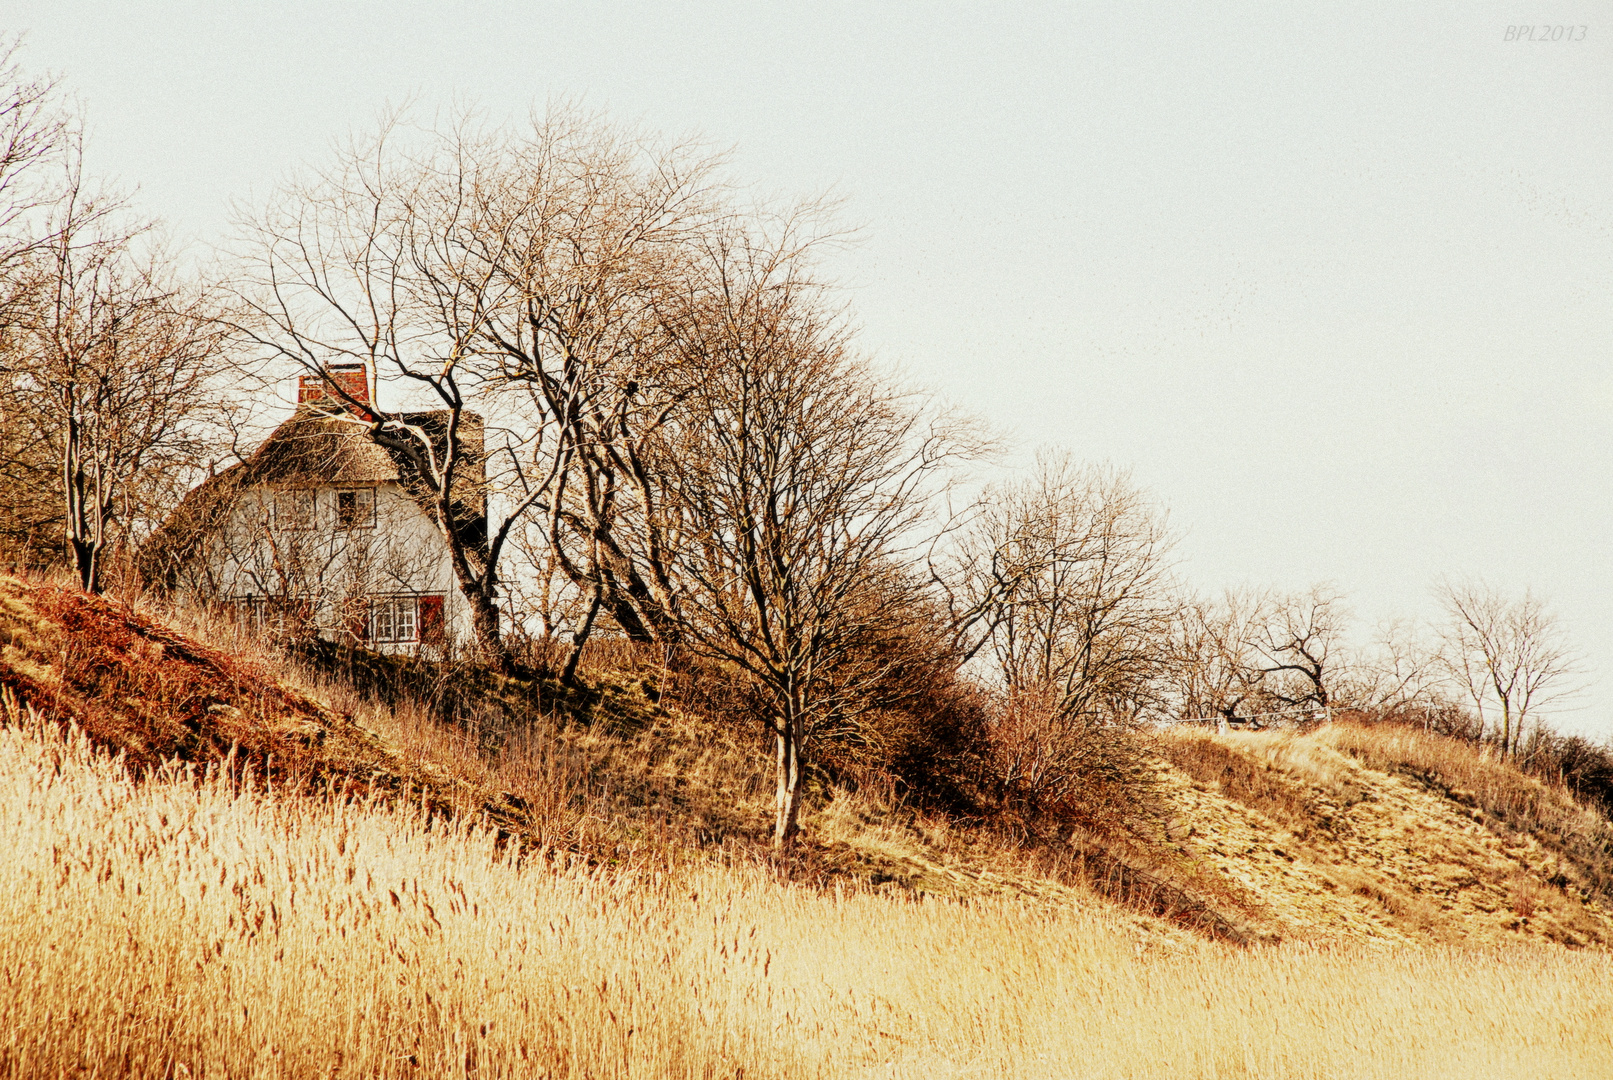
1390,835
278,876
1343,834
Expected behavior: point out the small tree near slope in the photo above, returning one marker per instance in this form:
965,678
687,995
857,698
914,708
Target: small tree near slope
1508,654
800,482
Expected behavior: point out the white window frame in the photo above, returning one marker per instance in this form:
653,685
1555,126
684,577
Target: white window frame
395,620
296,508
260,614
248,612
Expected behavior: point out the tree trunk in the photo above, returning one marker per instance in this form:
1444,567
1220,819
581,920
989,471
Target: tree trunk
484,617
568,675
87,563
787,802
83,536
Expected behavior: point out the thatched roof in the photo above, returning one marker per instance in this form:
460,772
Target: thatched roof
318,448
313,449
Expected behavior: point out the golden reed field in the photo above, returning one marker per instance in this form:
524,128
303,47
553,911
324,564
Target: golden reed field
185,927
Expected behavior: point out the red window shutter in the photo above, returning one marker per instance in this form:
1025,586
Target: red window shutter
432,628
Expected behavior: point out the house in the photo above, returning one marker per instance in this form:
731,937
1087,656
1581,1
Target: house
323,532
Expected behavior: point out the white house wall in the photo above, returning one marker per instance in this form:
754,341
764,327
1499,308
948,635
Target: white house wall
256,554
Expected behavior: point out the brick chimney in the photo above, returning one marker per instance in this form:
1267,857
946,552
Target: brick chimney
352,379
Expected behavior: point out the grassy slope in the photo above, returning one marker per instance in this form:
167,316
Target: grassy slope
162,922
1342,835
1389,835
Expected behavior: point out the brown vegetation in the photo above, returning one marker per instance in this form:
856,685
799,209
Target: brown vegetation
1241,837
233,932
777,684
233,921
1507,800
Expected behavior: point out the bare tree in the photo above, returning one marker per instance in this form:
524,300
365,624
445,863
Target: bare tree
590,350
1077,596
1216,666
365,262
31,520
798,482
500,279
1253,652
1300,644
1398,673
36,133
112,365
1509,655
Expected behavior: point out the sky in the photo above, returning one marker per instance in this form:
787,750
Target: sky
1336,285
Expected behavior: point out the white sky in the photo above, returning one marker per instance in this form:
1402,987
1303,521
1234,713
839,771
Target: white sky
1338,285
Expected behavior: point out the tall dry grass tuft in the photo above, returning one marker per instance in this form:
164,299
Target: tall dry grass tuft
603,771
242,934
190,927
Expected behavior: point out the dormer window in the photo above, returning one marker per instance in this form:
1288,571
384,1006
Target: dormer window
355,509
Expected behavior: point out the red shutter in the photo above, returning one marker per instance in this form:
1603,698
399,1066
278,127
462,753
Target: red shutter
432,628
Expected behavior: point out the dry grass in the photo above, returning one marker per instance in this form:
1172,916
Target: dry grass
1377,833
605,773
1504,798
1469,772
1241,777
622,776
178,927
642,766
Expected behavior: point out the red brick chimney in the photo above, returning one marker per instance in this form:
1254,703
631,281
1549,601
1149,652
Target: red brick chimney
352,379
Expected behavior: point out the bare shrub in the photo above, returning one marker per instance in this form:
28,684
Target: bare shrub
1063,585
1432,717
1052,771
1579,764
1524,896
919,727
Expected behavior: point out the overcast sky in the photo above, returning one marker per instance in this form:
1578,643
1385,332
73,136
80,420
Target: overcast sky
1337,286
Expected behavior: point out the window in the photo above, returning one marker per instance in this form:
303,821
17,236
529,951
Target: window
355,509
288,617
248,612
395,619
294,508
